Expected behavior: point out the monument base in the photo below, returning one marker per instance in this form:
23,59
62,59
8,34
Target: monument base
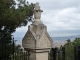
42,56
39,54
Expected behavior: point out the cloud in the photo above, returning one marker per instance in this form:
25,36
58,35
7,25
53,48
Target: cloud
63,33
62,17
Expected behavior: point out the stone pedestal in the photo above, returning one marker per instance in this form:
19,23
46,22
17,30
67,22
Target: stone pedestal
37,41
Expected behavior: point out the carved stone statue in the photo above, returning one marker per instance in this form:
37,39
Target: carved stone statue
37,11
37,40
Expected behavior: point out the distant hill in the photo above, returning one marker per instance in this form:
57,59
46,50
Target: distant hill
65,38
58,41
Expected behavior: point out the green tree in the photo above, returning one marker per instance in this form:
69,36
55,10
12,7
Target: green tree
69,48
13,14
12,17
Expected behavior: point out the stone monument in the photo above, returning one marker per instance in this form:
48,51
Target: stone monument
37,40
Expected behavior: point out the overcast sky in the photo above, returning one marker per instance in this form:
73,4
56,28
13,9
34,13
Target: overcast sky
62,17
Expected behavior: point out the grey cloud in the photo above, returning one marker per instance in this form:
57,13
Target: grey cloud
77,10
19,34
60,33
60,4
62,17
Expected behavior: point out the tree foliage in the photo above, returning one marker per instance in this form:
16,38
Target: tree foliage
13,14
69,49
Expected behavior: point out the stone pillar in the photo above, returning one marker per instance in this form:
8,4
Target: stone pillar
37,41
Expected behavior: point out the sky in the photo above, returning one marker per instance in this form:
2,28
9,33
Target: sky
62,18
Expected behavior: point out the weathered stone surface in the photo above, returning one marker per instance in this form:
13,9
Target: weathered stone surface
28,41
42,56
37,41
37,35
37,11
